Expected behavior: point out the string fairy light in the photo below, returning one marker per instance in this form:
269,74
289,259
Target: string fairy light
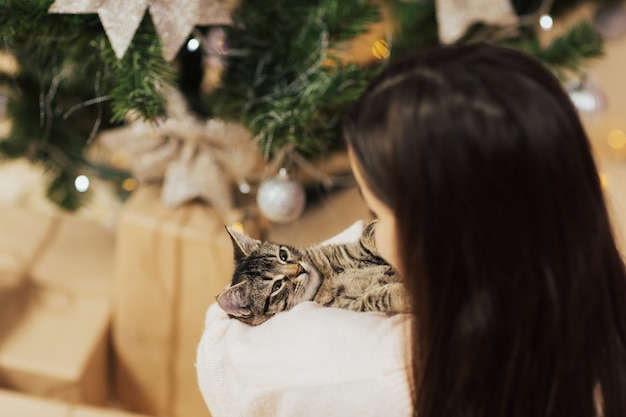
81,183
546,22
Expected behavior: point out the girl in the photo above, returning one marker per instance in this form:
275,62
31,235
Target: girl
489,205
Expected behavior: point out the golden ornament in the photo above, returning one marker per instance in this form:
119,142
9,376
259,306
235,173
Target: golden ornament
380,49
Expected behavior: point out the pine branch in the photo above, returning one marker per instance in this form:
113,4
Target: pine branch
572,50
70,84
284,78
139,77
348,19
567,53
40,134
415,26
283,81
43,42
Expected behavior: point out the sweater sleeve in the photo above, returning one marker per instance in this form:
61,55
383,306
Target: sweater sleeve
309,361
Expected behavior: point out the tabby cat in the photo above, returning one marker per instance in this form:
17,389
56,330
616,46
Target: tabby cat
270,278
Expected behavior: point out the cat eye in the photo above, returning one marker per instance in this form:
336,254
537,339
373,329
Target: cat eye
277,286
283,254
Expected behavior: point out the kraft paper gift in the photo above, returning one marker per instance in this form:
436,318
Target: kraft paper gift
55,289
13,404
59,348
170,265
73,252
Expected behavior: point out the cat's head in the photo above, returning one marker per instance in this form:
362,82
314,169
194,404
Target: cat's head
268,278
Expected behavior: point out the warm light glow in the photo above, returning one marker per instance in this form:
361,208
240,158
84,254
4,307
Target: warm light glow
545,21
129,184
81,183
238,226
380,49
617,139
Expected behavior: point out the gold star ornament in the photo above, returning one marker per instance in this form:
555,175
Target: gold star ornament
173,19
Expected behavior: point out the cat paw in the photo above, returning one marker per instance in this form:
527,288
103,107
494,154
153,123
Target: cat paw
391,299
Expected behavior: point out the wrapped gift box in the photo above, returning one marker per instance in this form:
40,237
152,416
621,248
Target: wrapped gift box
14,404
70,252
55,344
170,265
59,348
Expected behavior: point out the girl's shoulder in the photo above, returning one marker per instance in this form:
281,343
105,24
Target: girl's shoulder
341,358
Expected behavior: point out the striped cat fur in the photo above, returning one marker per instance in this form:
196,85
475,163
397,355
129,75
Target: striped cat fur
270,278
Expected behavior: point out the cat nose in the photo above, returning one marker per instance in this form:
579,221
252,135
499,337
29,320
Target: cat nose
299,269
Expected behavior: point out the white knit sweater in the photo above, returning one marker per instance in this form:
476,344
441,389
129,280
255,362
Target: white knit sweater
310,361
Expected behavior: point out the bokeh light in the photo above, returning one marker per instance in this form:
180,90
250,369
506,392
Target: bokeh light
616,139
546,22
244,188
81,183
129,184
193,44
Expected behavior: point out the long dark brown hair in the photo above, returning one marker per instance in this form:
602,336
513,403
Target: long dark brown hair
504,237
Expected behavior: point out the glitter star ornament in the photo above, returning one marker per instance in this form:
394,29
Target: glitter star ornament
173,19
454,17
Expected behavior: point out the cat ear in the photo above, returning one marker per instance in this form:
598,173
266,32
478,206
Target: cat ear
243,245
231,301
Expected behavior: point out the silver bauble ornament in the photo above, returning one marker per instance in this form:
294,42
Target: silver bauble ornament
281,199
588,98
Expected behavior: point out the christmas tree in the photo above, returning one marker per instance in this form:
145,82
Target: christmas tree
81,69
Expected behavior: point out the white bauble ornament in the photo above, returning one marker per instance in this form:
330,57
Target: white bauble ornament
588,98
281,199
